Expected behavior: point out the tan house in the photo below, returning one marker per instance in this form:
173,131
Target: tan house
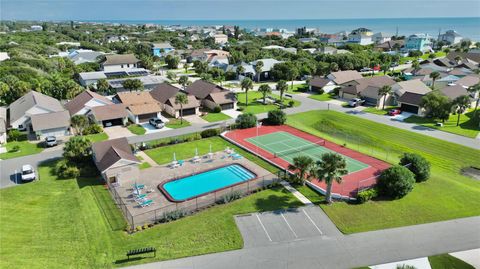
342,77
211,95
368,89
141,106
109,115
408,95
220,39
115,160
165,94
119,62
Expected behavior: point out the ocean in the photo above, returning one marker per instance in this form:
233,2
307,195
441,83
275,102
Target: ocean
467,27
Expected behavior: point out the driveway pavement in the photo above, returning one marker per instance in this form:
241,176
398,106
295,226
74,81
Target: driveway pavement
150,129
117,132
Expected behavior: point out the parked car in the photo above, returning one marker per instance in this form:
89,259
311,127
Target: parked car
28,173
157,123
395,111
366,69
51,141
394,65
355,102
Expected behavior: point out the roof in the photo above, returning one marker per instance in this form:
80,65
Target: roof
390,44
267,64
142,109
202,89
454,91
139,103
82,56
191,102
107,153
474,56
31,99
341,77
51,120
223,97
319,82
163,45
411,98
443,62
115,59
109,112
468,81
92,75
412,86
77,103
163,92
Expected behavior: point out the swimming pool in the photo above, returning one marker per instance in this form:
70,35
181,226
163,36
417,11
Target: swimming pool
209,181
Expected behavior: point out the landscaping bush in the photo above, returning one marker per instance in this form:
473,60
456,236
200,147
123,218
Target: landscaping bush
78,149
417,164
396,182
14,135
217,109
366,195
64,170
93,129
336,91
291,103
15,148
276,117
209,133
246,120
321,91
173,215
240,108
230,197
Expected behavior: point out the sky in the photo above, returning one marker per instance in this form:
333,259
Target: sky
232,9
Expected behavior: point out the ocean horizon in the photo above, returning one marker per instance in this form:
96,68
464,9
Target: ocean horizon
468,27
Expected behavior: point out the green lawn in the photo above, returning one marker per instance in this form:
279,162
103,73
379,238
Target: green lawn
177,123
257,107
322,97
446,195
136,129
97,137
72,223
213,117
446,261
297,88
424,57
378,111
25,148
469,125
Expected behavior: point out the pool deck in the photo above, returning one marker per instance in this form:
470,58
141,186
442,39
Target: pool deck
154,176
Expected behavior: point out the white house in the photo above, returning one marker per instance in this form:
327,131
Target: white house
220,39
451,37
85,101
3,125
118,62
381,37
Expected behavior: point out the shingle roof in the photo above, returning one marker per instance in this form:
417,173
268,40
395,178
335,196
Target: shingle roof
31,99
341,77
77,103
163,92
468,81
319,82
191,102
144,108
411,98
109,152
139,103
454,91
51,120
163,45
109,112
223,97
115,59
202,89
413,86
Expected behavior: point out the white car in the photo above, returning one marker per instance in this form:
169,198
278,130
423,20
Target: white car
355,102
28,173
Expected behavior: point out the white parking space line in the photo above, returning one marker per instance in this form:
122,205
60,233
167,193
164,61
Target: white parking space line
308,216
288,224
265,230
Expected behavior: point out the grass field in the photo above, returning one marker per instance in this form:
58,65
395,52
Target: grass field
446,195
24,148
378,111
322,97
257,107
72,223
469,125
177,123
297,88
446,261
136,129
214,117
97,137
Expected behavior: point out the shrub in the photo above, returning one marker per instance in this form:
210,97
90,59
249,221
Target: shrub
64,170
336,91
15,148
276,117
321,91
14,135
230,197
246,120
366,195
291,103
417,164
209,133
396,182
217,109
173,215
93,129
240,108
77,149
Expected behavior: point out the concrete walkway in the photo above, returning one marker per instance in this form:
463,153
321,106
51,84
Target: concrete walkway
471,257
147,158
296,193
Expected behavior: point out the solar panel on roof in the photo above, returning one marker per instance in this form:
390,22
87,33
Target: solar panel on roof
115,74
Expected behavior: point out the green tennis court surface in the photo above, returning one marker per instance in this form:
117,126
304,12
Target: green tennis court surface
287,146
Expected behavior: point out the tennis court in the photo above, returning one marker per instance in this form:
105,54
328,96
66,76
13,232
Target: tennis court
288,146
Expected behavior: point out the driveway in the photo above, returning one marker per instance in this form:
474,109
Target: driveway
150,129
117,132
232,113
195,119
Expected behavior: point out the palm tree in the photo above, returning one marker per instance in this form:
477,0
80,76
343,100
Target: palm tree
281,87
385,68
240,70
258,69
246,85
475,90
384,91
333,67
183,80
181,99
302,165
434,76
458,59
264,89
186,65
461,104
416,66
331,167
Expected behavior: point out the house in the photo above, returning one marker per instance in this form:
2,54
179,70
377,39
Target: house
381,37
342,77
420,42
3,125
80,56
266,68
91,78
165,95
36,28
161,49
471,57
320,84
454,91
24,115
368,89
362,36
391,45
408,95
141,106
149,82
118,62
83,103
115,160
328,50
109,115
111,39
468,81
211,95
220,39
451,37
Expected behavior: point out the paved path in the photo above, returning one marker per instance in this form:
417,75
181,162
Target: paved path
344,251
296,193
147,158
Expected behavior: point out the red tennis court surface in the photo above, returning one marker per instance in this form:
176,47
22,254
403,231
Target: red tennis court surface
351,183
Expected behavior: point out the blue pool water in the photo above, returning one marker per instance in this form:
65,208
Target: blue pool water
196,185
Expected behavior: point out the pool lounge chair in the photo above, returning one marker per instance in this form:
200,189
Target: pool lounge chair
196,159
146,203
180,162
237,156
138,186
174,164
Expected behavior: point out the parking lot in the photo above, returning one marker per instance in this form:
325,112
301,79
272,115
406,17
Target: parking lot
265,228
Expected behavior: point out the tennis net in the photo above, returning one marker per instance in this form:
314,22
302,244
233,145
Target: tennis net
298,149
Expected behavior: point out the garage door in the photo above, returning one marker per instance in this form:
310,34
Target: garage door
54,132
113,122
189,111
409,108
370,101
146,117
227,106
